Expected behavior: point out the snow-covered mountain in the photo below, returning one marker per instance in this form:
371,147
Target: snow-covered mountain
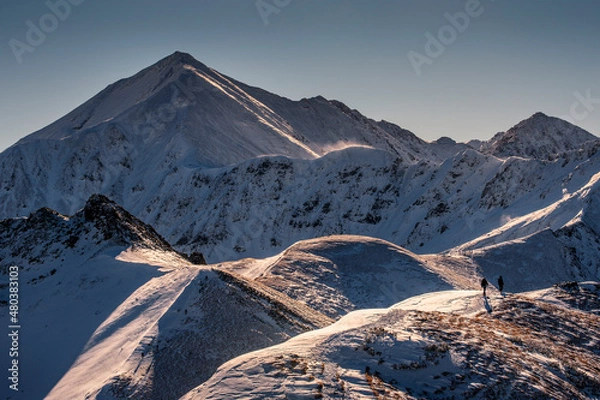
540,136
73,274
263,205
232,171
340,214
175,117
46,235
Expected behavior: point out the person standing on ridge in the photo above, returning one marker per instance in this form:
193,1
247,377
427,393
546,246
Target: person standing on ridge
484,284
500,284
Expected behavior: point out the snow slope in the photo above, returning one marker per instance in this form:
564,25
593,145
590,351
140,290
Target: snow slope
436,346
172,334
563,242
338,274
74,277
60,312
109,309
119,335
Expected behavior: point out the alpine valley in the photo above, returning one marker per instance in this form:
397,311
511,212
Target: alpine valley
183,235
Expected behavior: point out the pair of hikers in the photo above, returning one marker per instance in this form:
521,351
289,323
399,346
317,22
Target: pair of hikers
484,285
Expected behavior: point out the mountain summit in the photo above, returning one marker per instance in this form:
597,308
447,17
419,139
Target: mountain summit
538,136
178,115
184,108
181,107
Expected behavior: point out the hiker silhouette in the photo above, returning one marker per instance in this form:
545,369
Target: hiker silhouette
484,284
500,284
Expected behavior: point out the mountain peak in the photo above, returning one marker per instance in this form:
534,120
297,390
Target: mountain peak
444,140
181,58
116,223
539,136
539,115
44,216
539,118
181,55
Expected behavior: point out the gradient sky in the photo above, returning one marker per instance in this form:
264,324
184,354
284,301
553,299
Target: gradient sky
515,58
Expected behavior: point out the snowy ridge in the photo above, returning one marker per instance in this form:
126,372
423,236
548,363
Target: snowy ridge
338,274
117,338
529,346
135,309
47,235
161,327
308,317
82,280
213,318
558,242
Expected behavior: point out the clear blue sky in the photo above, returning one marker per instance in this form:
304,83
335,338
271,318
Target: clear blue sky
514,58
